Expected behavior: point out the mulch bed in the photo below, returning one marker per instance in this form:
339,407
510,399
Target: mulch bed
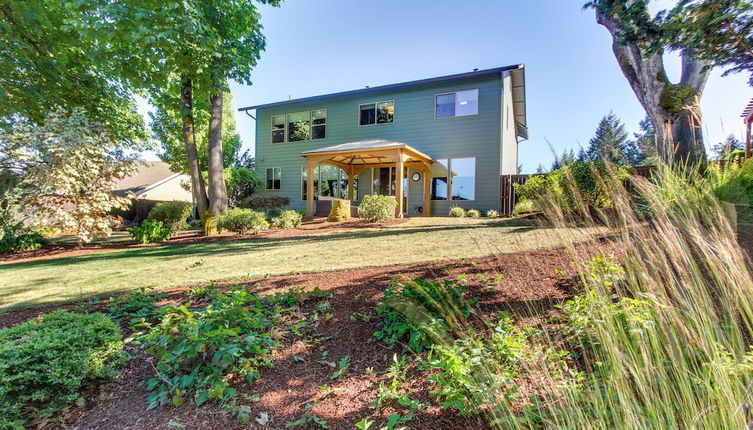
309,226
532,283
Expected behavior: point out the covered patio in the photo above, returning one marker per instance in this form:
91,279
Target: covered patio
354,157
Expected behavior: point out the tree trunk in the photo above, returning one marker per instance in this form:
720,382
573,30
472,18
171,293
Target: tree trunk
674,109
189,140
217,190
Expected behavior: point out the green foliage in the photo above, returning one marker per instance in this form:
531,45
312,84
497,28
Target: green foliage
534,187
288,219
16,238
457,212
419,312
473,213
151,231
45,362
264,202
137,307
492,213
524,207
243,221
476,372
241,182
376,208
676,98
172,214
611,143
199,352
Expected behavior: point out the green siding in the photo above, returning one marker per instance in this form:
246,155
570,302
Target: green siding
471,136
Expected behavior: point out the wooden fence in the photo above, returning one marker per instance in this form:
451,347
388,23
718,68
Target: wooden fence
508,198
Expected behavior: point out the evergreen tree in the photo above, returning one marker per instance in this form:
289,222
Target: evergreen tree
645,140
722,150
567,157
610,142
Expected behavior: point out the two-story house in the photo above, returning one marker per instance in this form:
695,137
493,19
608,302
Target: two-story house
438,142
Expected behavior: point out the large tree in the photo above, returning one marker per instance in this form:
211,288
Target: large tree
640,40
52,56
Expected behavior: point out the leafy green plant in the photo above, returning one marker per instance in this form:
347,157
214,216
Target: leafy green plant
525,207
150,231
45,362
243,221
457,212
288,219
473,213
476,372
420,311
376,208
16,238
201,351
264,202
173,214
343,366
137,306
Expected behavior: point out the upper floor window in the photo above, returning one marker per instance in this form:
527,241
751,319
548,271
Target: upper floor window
376,113
457,103
296,127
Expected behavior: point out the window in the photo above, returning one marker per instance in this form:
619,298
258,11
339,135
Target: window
439,181
299,126
455,177
463,178
458,103
376,113
278,128
318,124
274,176
329,181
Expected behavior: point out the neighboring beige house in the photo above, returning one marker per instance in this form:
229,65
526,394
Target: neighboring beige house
152,183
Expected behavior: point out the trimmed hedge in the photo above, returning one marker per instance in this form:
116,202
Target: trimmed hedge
45,362
243,221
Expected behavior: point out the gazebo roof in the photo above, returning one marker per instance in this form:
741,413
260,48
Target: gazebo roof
367,152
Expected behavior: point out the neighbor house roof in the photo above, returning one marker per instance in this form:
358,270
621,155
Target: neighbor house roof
149,175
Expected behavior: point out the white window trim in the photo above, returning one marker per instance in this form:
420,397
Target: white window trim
450,179
287,124
284,128
311,124
266,178
358,113
478,103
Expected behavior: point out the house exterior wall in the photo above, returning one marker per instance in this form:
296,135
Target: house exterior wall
509,159
414,123
168,190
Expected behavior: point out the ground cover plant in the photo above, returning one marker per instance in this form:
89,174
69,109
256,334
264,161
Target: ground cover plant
45,362
457,212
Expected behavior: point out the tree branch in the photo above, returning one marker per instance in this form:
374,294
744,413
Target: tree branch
695,72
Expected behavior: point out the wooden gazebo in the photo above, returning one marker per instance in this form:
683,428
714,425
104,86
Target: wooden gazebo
747,116
354,157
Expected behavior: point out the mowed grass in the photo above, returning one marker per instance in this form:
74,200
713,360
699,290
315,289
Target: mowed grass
420,240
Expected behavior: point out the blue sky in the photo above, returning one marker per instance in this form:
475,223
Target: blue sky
324,46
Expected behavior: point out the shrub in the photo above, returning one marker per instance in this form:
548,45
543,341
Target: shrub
473,213
172,214
491,213
270,214
457,212
420,311
202,351
288,219
241,182
263,202
45,362
535,187
16,238
137,306
150,232
243,221
375,208
524,207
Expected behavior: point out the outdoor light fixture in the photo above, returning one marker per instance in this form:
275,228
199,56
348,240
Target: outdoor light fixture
416,177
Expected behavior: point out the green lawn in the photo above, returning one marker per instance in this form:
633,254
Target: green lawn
65,279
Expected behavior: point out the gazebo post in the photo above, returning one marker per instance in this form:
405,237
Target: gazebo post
427,190
399,184
351,197
310,186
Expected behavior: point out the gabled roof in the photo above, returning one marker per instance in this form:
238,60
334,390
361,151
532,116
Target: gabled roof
148,175
748,111
367,152
473,74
